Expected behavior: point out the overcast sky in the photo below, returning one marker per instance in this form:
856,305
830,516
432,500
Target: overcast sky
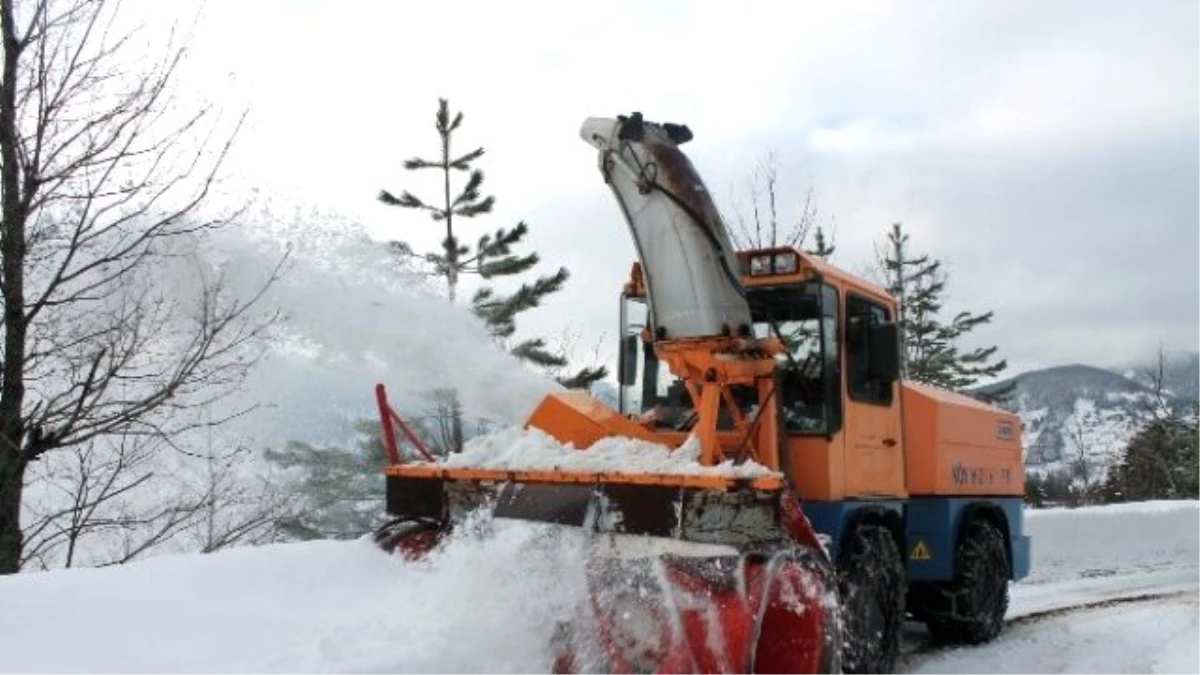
1047,151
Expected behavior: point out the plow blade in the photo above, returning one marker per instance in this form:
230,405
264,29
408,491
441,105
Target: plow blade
679,507
685,573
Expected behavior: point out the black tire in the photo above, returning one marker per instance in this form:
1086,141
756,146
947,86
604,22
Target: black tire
872,589
978,596
393,533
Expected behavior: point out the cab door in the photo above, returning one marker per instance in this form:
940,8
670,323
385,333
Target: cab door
874,450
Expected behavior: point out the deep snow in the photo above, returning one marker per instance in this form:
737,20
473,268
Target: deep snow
1099,541
487,604
312,607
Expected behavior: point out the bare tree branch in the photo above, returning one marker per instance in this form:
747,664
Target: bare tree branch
115,329
763,224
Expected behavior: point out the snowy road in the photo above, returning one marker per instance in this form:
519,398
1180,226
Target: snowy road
1135,623
485,606
1148,636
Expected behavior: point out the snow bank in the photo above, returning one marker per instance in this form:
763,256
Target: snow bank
1116,510
532,449
1118,538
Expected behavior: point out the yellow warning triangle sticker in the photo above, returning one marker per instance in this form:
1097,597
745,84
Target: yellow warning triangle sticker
920,551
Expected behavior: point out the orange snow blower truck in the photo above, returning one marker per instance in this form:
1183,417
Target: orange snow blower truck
875,499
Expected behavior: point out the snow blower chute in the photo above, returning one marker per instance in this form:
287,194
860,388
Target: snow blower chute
738,580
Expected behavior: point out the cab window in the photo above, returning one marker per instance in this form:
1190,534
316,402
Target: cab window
805,318
861,314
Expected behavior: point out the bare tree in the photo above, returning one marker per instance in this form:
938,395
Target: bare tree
1158,462
761,225
1080,459
233,509
1158,405
101,180
90,479
120,497
438,423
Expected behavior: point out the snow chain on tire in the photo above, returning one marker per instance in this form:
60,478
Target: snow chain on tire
979,593
872,589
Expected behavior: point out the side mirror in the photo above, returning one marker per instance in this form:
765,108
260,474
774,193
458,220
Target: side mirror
627,360
883,347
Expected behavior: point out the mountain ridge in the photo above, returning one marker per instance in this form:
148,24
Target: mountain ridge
1077,418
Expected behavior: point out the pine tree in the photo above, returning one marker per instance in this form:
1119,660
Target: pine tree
492,256
822,247
1153,464
338,490
1187,464
1147,469
335,491
931,351
1162,460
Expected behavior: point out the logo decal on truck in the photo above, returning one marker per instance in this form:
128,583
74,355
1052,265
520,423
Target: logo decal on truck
1005,431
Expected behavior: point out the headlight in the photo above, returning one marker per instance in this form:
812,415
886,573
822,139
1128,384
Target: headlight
760,265
785,263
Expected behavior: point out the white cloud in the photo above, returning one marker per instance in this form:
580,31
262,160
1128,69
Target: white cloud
1002,134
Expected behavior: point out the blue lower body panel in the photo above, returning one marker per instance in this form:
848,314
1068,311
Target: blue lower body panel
931,529
933,525
835,518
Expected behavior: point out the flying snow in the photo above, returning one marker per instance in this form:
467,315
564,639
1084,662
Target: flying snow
354,316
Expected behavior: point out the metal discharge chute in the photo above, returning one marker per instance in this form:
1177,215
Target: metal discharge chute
686,257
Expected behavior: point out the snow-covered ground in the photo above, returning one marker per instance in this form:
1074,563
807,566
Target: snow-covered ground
1144,637
486,605
477,606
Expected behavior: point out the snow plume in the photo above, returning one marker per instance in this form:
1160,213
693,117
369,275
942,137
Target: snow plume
353,316
350,316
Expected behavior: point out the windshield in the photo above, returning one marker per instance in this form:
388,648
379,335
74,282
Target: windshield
802,316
